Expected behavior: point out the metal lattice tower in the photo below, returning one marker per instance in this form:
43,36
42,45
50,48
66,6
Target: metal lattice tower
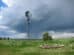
27,14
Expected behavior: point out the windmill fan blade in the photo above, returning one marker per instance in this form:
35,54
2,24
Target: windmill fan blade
26,13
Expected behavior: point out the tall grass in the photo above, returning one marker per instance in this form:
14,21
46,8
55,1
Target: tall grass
31,47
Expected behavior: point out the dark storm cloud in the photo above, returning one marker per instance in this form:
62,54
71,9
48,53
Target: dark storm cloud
55,16
47,15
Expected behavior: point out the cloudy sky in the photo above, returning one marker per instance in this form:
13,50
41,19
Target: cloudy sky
54,16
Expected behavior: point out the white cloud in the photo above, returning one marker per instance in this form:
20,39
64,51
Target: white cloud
12,31
8,2
61,34
3,27
5,31
19,36
1,17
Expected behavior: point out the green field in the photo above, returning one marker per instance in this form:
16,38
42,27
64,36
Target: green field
31,47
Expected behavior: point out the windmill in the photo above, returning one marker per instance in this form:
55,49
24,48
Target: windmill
28,16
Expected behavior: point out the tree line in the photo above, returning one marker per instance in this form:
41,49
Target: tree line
4,38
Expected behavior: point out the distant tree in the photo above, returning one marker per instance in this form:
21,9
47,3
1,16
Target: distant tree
0,38
46,36
8,38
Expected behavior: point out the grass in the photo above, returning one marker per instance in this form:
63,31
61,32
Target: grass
31,47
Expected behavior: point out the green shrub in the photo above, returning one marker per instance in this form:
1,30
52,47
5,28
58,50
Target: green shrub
46,36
